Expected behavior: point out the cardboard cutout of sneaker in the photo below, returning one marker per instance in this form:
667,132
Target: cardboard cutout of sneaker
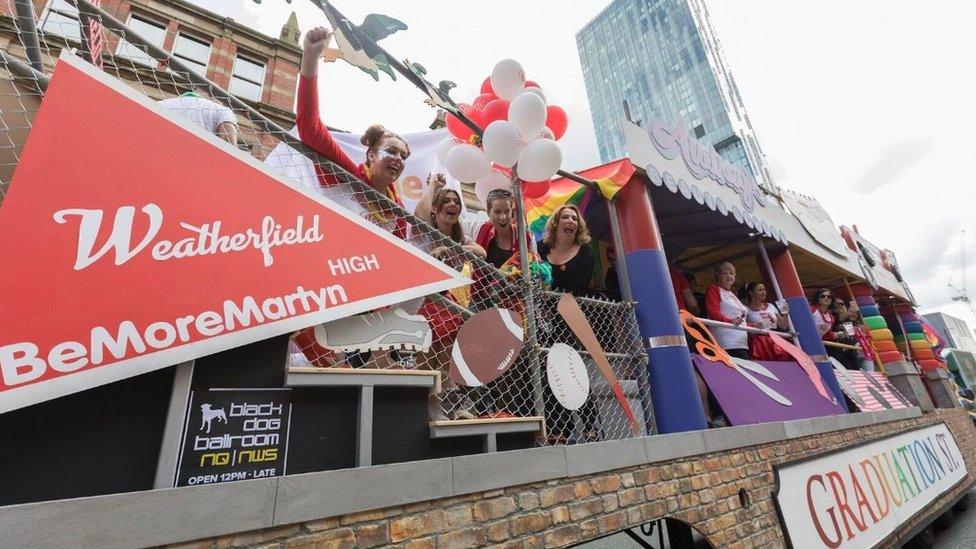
376,331
486,346
135,241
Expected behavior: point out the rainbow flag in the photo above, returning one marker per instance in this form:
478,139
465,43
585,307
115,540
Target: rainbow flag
610,178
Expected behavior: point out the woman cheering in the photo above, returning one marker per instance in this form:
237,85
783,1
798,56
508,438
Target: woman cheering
565,246
385,150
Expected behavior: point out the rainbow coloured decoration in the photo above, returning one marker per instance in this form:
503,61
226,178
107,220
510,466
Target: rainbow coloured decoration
610,178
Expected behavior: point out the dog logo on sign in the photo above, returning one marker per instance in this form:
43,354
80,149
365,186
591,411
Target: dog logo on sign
209,414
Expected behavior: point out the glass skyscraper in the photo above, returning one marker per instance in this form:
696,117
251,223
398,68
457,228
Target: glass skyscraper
661,59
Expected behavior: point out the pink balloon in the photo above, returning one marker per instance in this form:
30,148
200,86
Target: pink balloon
556,120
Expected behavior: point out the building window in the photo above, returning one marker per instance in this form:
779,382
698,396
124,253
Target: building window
699,131
248,78
195,53
151,31
61,18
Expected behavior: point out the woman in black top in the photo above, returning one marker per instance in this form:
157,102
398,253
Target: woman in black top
565,246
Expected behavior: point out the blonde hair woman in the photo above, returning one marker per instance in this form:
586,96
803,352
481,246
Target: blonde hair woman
565,246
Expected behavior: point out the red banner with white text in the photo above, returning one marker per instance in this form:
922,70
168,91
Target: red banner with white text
133,241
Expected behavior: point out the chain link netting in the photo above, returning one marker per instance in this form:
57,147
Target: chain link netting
522,391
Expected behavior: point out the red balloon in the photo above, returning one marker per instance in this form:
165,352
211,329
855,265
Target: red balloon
495,110
486,86
531,83
457,128
476,115
483,99
534,189
556,120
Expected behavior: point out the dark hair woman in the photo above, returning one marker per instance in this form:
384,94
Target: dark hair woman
831,328
767,316
385,150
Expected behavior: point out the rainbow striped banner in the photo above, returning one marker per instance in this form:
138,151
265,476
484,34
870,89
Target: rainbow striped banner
610,178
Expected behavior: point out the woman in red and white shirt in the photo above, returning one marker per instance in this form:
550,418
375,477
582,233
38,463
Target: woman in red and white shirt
722,304
823,316
767,316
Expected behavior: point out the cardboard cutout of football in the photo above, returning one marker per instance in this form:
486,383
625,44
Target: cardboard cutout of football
486,346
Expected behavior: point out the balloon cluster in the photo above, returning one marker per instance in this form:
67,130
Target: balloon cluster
519,128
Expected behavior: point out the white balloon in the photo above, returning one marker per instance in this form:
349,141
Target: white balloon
507,78
467,163
528,113
538,91
540,160
502,143
444,148
546,133
495,180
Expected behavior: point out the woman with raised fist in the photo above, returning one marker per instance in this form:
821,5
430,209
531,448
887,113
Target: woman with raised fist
386,151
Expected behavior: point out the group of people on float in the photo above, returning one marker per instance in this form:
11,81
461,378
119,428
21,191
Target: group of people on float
836,320
564,244
840,322
749,307
565,241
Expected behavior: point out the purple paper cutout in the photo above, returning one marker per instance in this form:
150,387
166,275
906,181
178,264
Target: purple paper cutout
743,403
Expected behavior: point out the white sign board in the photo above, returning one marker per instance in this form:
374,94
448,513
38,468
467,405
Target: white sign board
859,496
815,220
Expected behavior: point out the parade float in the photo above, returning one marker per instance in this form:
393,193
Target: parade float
172,373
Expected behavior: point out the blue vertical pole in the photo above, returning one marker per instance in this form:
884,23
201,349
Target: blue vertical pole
802,317
674,390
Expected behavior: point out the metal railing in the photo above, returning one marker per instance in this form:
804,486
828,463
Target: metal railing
744,328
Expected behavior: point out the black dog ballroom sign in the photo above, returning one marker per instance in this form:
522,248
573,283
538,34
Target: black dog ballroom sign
233,434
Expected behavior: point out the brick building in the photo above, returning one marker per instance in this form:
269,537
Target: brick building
259,69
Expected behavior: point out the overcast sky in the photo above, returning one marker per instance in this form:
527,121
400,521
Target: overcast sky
866,105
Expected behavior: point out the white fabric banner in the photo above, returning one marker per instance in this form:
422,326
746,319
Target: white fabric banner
412,183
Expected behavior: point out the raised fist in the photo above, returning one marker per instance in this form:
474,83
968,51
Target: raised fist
436,181
316,41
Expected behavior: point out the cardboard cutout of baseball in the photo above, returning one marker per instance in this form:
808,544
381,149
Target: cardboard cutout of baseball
136,241
566,373
486,347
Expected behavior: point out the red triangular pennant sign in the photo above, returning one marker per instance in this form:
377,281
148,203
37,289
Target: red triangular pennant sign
134,242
